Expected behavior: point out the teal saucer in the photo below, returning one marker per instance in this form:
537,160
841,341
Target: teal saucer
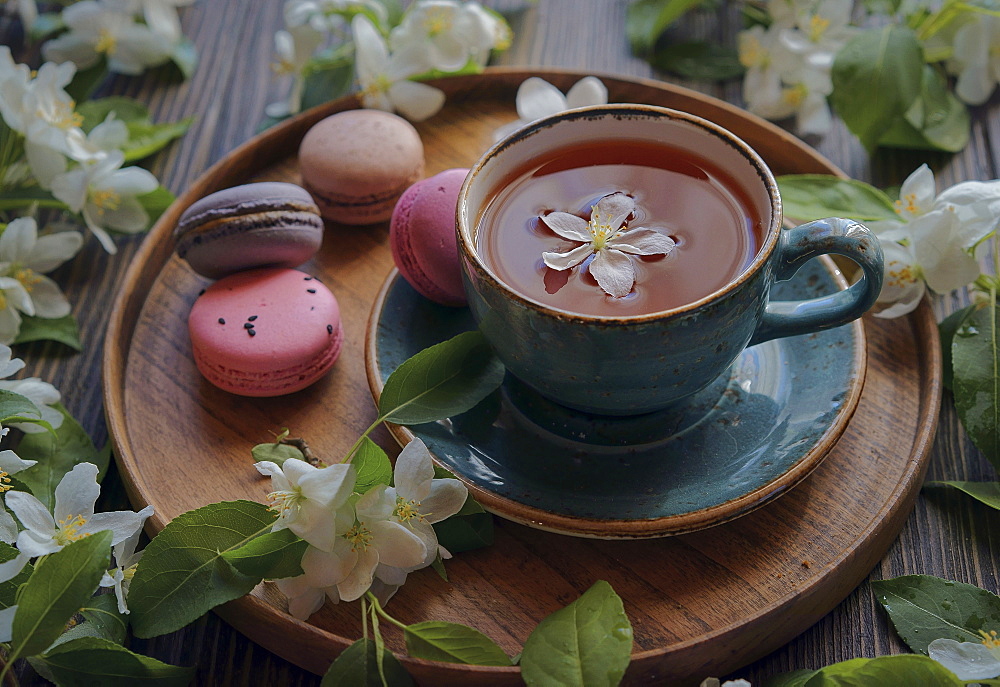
755,432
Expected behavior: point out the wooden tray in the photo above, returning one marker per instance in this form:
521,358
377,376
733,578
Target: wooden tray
701,604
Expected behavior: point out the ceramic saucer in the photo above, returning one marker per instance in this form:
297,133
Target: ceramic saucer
752,434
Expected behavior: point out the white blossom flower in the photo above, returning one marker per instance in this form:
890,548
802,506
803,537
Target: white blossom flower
10,464
97,29
805,91
307,498
294,49
28,11
383,77
26,257
73,517
976,58
161,17
766,60
451,33
820,31
126,560
714,682
605,236
15,79
42,394
304,599
106,195
537,98
968,660
8,571
328,15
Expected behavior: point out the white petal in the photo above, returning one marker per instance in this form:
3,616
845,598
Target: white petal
102,236
587,91
446,498
326,569
614,272
537,98
45,162
8,528
52,250
563,261
968,660
278,480
371,52
8,365
71,188
131,181
329,486
110,134
397,546
315,523
12,464
77,493
122,524
416,101
10,325
303,600
7,623
376,504
18,239
31,512
568,226
48,300
129,217
642,241
391,575
944,263
414,471
34,544
614,209
360,578
919,185
11,568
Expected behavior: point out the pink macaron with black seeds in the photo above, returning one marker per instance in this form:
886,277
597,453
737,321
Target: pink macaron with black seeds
422,237
265,332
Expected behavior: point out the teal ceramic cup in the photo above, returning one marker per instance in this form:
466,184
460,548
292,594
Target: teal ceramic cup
639,364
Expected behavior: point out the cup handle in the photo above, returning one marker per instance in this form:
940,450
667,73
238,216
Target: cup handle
797,245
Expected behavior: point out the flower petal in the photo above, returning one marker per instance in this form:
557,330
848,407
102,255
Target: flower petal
33,544
329,486
416,101
18,239
122,524
537,98
447,496
568,226
917,191
397,546
52,250
563,261
587,91
614,209
968,660
360,577
944,265
12,464
48,299
614,272
327,568
7,623
376,504
77,493
642,241
414,471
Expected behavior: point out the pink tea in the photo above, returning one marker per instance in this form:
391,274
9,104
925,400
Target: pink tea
676,193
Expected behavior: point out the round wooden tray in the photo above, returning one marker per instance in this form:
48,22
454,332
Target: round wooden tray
701,604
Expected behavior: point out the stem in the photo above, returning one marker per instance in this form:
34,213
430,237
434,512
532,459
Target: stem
378,608
364,619
301,445
364,435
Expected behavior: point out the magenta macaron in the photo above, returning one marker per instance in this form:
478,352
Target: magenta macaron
422,237
267,223
265,332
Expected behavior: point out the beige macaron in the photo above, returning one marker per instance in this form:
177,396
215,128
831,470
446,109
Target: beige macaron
356,164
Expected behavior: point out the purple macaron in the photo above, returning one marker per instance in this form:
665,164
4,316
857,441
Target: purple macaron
422,236
255,225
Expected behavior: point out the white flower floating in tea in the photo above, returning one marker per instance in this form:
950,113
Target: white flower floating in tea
607,237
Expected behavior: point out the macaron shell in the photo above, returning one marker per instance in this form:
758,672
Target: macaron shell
357,163
422,237
249,226
297,332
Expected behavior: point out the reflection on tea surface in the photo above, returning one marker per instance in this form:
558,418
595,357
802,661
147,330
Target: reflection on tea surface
676,193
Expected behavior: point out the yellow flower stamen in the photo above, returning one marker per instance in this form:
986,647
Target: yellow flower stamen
106,199
62,116
282,67
284,501
28,277
5,484
381,84
817,27
601,228
129,572
795,95
360,538
3,301
752,53
990,639
69,530
106,42
901,276
910,206
407,510
438,20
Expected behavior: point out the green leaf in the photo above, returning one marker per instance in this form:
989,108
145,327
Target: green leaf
357,666
924,608
588,643
185,57
88,661
904,670
453,643
16,407
327,82
807,197
372,465
946,330
876,77
45,25
985,492
645,20
443,380
276,453
55,591
183,573
23,197
155,203
61,329
469,529
8,589
101,619
975,354
438,565
57,453
936,120
699,60
796,678
128,110
271,556
86,81
144,139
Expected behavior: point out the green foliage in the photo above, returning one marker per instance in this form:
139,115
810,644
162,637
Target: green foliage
372,465
88,661
453,643
57,453
156,202
807,197
924,608
905,670
101,619
184,572
328,79
947,329
698,60
358,666
56,590
984,492
936,120
185,58
61,329
46,25
975,354
276,453
469,529
588,643
876,79
443,380
25,197
270,556
86,81
18,408
8,589
645,20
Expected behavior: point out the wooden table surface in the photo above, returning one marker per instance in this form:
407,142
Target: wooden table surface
947,535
